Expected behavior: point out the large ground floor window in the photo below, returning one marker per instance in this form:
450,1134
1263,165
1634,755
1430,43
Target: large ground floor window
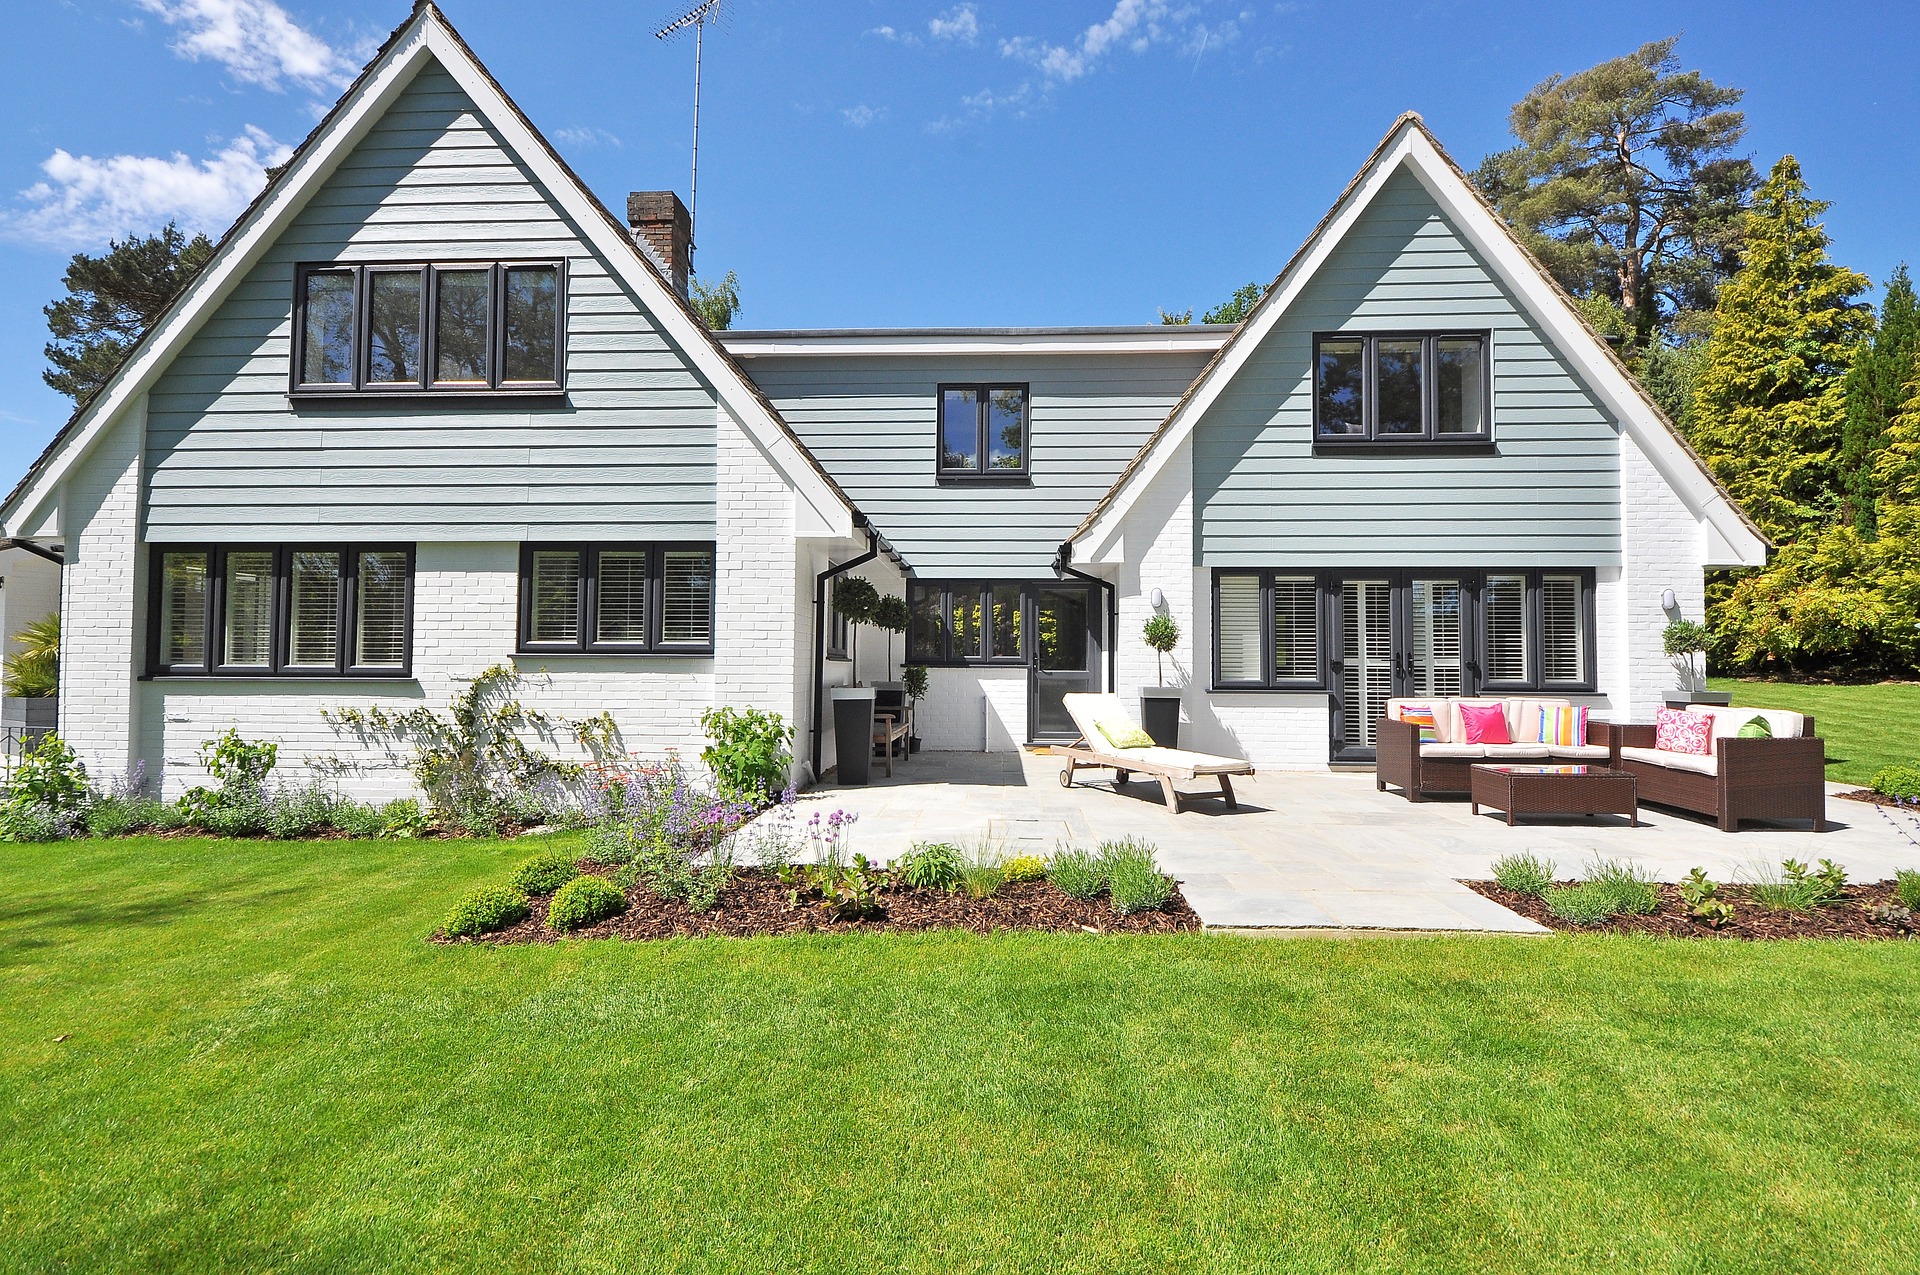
617,599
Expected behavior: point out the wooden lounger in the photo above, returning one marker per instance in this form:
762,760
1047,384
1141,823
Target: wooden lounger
1168,765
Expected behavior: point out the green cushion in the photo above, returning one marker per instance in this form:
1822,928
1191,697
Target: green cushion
1756,728
1125,735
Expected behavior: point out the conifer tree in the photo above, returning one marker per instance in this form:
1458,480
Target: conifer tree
1875,388
1769,400
1896,469
111,301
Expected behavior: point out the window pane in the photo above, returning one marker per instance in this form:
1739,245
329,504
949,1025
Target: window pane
460,332
1006,621
313,611
533,303
1337,387
1505,627
1366,670
1007,429
1296,628
393,327
328,357
960,429
1397,383
555,605
925,628
380,629
620,606
249,607
1240,629
686,596
966,622
1563,652
1462,386
183,609
1434,660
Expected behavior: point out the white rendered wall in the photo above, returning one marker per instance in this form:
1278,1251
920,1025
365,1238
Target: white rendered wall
103,600
1663,547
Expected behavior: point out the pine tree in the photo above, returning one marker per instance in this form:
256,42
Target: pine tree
1875,389
1896,468
1769,399
111,301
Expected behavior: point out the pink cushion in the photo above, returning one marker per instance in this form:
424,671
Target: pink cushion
1485,723
1677,731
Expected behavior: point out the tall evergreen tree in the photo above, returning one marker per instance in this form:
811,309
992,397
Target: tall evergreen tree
1876,387
1896,468
1769,399
111,301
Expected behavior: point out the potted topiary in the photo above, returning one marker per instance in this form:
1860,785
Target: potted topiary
914,678
855,598
1685,642
1160,705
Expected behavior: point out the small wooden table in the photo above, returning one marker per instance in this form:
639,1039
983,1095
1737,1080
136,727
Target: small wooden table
1556,790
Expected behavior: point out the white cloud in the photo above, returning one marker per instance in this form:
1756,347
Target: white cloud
582,138
894,34
256,40
959,23
862,115
83,202
1133,24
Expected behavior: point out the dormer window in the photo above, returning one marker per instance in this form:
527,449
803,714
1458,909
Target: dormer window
418,328
1392,388
983,431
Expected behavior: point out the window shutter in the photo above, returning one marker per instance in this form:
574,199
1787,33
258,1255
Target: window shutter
1296,629
1563,656
380,627
1239,659
249,609
621,597
313,635
555,605
183,610
686,596
1505,610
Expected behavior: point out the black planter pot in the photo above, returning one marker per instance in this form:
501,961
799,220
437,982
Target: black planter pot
1680,699
1160,714
853,734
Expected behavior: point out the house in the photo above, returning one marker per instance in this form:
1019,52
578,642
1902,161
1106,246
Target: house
431,408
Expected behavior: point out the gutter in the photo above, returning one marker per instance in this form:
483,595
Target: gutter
820,635
1062,567
55,555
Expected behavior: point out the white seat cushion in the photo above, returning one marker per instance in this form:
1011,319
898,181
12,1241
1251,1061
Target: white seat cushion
1454,752
1577,752
1517,752
1728,721
1527,718
1707,765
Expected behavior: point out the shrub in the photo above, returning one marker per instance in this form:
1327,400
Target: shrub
116,816
1798,888
1630,887
584,901
1906,888
983,871
748,753
1134,880
1523,873
1703,900
236,814
1026,867
1077,873
544,873
403,817
489,908
930,866
1585,904
298,812
47,795
612,844
1902,783
357,819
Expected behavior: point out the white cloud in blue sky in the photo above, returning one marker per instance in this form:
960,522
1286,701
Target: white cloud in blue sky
257,41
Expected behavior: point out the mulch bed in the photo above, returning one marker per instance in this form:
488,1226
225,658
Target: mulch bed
1873,798
1850,918
754,902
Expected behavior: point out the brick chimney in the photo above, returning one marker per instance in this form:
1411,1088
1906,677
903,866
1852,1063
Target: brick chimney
660,225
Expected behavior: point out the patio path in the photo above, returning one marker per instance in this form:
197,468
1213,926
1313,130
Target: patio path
1321,850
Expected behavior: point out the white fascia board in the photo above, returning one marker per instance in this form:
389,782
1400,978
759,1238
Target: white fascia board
930,344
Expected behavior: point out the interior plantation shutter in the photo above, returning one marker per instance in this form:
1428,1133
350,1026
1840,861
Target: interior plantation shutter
313,635
1504,607
1563,656
1296,628
621,603
183,610
380,625
249,627
686,596
1239,629
556,596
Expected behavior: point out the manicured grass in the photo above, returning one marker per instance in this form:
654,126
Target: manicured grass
1866,727
267,1068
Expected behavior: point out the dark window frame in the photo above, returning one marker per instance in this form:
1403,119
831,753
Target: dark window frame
423,385
839,628
1269,680
278,665
983,590
1429,435
585,604
1534,619
980,471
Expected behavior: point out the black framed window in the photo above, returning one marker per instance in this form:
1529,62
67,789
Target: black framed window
983,431
967,622
839,628
422,328
1536,630
281,611
617,599
1402,387
1269,630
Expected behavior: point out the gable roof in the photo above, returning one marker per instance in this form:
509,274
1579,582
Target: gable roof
427,36
1408,145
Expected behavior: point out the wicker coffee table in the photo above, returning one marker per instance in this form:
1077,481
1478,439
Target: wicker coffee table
1556,790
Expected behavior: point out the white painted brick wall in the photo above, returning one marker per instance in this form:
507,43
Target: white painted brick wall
1663,547
762,632
103,601
975,709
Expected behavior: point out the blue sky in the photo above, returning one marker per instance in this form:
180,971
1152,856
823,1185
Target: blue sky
878,163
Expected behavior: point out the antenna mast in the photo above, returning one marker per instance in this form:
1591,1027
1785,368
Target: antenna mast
697,18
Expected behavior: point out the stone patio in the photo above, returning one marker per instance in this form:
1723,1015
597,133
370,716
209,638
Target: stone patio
1318,851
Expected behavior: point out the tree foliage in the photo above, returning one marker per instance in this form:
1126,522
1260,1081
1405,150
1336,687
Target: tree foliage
1626,184
111,301
1769,397
33,672
719,305
1232,310
1877,386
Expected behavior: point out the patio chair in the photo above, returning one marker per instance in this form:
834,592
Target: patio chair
1101,719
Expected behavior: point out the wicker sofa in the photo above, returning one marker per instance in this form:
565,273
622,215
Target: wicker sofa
1444,764
1779,778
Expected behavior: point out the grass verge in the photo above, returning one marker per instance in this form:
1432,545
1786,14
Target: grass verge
1866,726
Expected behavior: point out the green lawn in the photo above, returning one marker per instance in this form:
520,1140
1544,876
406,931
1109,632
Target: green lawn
1866,727
266,1068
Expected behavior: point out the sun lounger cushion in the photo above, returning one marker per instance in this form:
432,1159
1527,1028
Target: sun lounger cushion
1125,735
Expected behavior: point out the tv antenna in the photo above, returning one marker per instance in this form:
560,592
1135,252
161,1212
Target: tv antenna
696,18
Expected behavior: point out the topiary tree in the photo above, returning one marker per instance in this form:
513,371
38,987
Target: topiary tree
855,597
890,614
1683,641
1162,634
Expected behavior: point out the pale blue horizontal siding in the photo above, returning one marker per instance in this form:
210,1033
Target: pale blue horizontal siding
872,422
1549,497
628,454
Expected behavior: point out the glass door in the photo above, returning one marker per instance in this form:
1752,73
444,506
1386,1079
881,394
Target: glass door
1401,635
1364,678
1435,651
1064,657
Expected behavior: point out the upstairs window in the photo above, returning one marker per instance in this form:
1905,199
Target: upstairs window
419,328
617,599
1393,388
983,431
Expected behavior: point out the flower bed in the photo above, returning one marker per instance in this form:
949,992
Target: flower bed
1849,916
756,902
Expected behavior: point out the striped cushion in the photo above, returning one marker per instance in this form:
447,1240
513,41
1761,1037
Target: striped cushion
1566,727
1420,715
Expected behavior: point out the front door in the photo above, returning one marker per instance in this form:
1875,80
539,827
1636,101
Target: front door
1063,657
1401,634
